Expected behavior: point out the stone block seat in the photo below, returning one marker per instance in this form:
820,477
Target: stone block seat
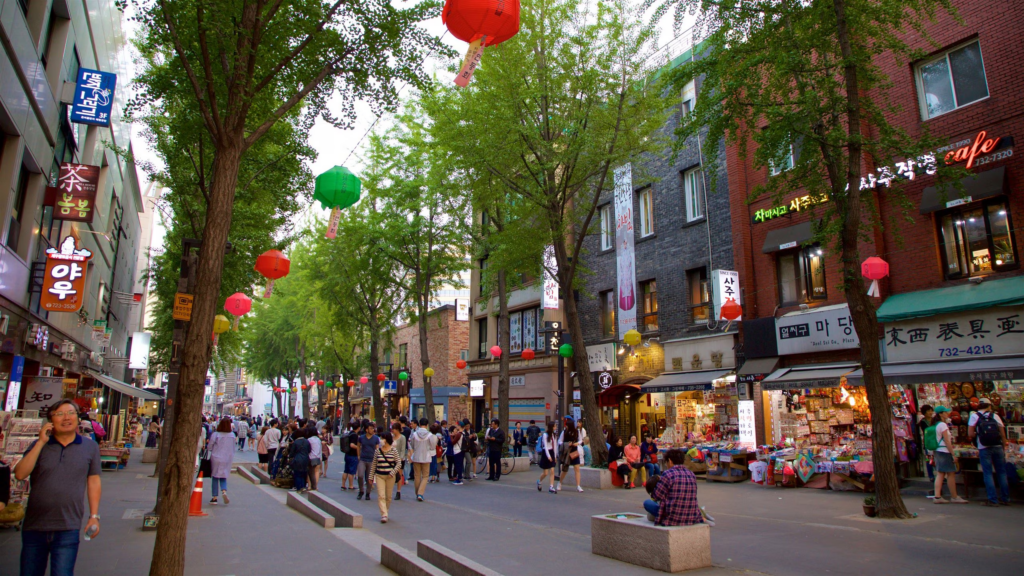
632,538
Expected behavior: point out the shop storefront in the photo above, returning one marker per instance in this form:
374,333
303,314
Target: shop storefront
449,403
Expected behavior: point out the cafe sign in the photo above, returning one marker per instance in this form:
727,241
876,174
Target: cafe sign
64,278
963,335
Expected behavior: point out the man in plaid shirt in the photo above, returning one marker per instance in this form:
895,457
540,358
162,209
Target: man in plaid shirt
675,498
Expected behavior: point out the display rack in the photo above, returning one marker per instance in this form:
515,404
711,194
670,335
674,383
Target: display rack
19,429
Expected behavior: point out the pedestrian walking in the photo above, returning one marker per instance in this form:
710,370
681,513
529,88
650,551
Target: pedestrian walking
368,443
401,445
495,440
584,441
472,451
455,450
435,469
384,470
945,467
273,439
533,433
315,458
242,431
153,432
423,445
299,455
569,452
261,449
327,442
221,447
350,448
252,436
547,457
61,466
518,440
987,432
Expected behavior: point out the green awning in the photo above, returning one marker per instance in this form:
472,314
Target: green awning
968,296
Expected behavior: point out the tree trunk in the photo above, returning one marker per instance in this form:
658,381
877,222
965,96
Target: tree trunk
280,406
378,404
865,320
504,340
169,547
422,305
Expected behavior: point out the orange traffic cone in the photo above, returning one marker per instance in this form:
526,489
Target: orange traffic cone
195,504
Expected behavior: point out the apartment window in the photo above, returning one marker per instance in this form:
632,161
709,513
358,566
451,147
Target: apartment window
786,164
649,290
951,80
693,194
515,332
977,240
464,354
403,355
607,314
607,227
18,210
647,212
689,97
697,283
801,274
481,330
387,357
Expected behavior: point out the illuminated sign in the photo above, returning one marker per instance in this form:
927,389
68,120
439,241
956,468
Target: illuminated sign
64,278
795,205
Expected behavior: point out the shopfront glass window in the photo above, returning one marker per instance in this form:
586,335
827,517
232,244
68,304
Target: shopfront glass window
801,275
977,240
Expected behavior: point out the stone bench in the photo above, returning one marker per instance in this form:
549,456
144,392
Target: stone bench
636,540
343,517
593,478
259,473
405,563
150,455
522,464
451,562
245,473
309,510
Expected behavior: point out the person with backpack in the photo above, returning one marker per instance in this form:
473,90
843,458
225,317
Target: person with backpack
938,440
988,433
532,435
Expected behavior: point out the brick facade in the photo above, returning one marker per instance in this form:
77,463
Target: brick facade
446,339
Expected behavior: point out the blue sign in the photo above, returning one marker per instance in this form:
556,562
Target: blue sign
390,387
17,368
94,97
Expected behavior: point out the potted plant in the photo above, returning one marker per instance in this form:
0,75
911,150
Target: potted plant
869,506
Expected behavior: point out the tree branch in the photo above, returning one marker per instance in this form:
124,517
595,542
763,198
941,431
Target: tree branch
214,127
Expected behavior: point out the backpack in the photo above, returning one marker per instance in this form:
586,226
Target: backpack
931,438
987,430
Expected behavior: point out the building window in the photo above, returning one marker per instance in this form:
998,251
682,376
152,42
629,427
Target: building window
689,98
530,328
515,332
608,314
646,212
481,330
607,227
403,355
977,241
649,289
801,274
951,80
693,194
18,210
464,354
697,283
787,163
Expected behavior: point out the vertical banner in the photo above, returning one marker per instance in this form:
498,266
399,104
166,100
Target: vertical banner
14,386
550,296
747,424
64,277
76,192
138,359
624,254
726,286
462,309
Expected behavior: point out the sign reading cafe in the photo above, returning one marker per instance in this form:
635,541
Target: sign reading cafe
964,335
94,97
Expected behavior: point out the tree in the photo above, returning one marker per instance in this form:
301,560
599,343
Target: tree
549,113
824,95
244,66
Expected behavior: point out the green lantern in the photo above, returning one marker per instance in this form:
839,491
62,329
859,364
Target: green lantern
403,375
337,189
330,384
565,350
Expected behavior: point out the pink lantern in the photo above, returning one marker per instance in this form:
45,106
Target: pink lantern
496,351
874,269
238,305
529,354
364,380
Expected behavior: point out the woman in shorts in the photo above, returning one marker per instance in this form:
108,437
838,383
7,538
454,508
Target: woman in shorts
945,467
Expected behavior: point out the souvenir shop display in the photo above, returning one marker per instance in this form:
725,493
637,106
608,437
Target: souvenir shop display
17,432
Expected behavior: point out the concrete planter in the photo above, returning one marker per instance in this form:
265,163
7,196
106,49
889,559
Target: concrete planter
593,478
636,540
522,464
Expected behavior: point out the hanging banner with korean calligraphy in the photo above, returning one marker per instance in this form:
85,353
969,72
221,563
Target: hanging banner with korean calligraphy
549,299
64,278
75,196
964,335
94,97
726,286
817,330
624,253
42,392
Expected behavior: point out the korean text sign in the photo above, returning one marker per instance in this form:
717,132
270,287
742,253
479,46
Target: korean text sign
77,185
963,335
64,278
727,287
829,328
624,251
94,97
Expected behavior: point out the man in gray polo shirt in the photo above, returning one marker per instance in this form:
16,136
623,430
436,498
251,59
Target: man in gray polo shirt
63,466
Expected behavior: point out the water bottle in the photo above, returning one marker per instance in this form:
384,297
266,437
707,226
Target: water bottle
90,532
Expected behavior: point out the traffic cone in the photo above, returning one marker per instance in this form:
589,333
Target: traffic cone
195,505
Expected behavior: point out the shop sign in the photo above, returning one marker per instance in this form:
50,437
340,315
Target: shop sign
747,423
624,253
67,351
138,359
969,149
14,387
577,413
94,97
476,388
601,357
726,286
182,307
64,278
964,335
604,379
40,336
517,380
41,393
462,310
797,204
819,330
554,336
549,298
75,197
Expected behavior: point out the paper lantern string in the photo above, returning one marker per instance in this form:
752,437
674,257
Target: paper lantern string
873,290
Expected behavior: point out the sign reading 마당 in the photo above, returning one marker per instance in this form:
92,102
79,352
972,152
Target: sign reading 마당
816,331
94,97
64,278
76,192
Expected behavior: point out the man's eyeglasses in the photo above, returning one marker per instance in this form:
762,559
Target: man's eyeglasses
65,414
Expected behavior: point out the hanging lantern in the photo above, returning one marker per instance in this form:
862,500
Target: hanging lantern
874,269
220,326
319,382
461,364
238,305
529,354
565,350
352,383
481,23
403,375
330,384
292,390
731,310
273,265
428,372
632,337
305,387
381,377
337,189
496,351
364,380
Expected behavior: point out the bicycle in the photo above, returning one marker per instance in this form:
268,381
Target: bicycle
508,463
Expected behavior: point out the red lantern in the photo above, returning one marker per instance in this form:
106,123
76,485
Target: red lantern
874,269
304,386
351,383
381,377
496,351
273,265
319,382
529,354
238,305
481,23
731,310
461,364
364,380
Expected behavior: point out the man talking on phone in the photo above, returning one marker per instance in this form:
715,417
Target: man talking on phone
62,465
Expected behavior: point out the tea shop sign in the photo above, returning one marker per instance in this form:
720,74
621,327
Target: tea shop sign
795,205
74,198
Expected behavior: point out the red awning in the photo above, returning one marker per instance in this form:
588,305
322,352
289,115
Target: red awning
612,396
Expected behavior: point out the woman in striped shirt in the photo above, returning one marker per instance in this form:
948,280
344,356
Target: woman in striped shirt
383,471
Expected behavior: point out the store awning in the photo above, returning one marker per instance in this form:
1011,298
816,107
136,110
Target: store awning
118,386
789,237
807,376
960,298
685,381
997,368
757,369
976,187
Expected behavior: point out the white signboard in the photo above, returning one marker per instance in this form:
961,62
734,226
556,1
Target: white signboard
747,424
601,357
818,330
41,393
726,286
476,388
13,395
964,335
549,300
462,309
517,380
624,253
139,357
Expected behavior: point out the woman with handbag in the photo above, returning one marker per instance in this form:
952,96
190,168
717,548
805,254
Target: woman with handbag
547,459
261,449
383,472
572,454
